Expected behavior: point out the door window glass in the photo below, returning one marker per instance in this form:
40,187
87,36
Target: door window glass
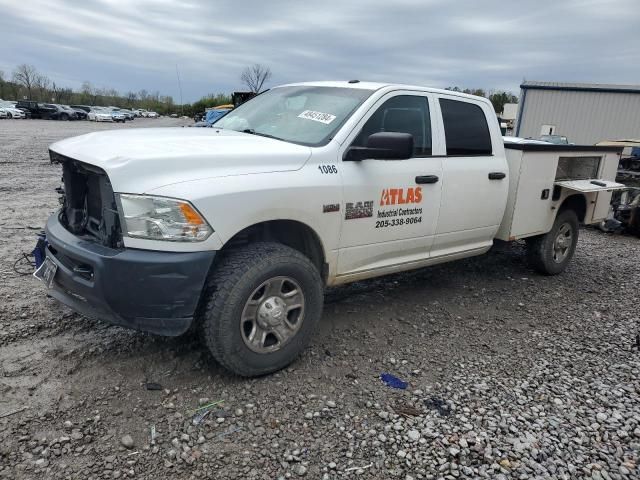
404,114
465,128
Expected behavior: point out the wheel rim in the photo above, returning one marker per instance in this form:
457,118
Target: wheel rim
562,243
272,315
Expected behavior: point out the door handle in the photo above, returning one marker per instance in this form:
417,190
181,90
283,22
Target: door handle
497,175
427,179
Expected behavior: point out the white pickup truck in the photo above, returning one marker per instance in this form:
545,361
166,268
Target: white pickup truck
238,228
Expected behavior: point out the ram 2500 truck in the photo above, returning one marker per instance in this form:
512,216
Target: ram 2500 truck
237,229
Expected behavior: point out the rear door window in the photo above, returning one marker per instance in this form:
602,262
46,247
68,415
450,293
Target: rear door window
465,128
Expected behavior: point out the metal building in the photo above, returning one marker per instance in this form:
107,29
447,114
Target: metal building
584,113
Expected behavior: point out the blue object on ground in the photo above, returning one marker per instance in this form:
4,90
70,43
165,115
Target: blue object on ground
393,381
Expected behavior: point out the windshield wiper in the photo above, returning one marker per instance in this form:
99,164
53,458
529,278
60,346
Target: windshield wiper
253,132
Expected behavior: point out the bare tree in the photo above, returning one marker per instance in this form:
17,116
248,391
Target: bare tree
255,77
26,76
65,95
131,98
55,91
43,84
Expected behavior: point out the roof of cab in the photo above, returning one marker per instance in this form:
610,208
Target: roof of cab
377,86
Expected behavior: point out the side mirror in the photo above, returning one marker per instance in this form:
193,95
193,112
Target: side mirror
383,146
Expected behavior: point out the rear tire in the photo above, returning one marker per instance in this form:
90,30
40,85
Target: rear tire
64,117
263,302
550,254
9,116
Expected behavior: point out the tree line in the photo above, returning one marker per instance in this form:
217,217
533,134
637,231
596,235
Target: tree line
498,98
27,82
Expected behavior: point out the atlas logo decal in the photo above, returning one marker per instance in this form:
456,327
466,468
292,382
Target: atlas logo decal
400,196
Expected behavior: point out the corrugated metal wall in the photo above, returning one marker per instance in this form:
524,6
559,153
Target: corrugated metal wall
583,117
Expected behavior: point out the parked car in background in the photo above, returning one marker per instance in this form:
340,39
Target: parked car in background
35,109
118,116
99,114
555,139
129,115
11,111
59,112
81,113
214,114
152,114
86,108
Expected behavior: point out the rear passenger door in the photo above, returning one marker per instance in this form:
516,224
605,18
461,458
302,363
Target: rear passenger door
475,176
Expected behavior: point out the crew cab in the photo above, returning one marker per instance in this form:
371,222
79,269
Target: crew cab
237,229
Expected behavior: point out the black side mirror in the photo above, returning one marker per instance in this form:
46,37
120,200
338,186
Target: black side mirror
383,146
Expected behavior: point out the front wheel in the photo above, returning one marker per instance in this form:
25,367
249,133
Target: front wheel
550,253
262,304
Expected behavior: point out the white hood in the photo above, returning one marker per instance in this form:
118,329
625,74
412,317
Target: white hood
138,160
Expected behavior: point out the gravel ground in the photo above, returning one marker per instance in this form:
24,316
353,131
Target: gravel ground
511,374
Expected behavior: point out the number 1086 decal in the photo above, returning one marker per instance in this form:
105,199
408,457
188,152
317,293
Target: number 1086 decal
327,169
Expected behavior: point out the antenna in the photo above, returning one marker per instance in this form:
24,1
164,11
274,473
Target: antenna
180,88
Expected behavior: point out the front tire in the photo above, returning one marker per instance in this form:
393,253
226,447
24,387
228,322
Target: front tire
551,253
263,302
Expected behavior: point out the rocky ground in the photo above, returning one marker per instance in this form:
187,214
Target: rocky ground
511,374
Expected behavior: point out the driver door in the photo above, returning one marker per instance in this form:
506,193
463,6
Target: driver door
390,206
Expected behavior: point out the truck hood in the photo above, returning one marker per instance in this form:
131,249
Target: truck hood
138,160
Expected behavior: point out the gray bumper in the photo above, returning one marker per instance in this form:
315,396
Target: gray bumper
156,292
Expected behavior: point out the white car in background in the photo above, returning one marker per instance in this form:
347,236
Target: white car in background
99,115
152,115
118,116
11,111
128,113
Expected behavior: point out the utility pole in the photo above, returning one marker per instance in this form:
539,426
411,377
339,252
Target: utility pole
180,88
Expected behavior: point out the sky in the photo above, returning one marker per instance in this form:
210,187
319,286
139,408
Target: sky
131,45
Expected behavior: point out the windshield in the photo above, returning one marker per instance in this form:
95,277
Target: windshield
306,115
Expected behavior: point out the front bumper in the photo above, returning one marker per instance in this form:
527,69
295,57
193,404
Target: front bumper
151,291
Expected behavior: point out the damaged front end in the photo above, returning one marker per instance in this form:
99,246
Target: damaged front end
87,267
89,208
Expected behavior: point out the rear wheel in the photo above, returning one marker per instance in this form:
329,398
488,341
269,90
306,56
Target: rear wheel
262,304
9,115
64,116
551,253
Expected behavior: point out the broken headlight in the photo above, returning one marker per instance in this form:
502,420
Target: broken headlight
160,218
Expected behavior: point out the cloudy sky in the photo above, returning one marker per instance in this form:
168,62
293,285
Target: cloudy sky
493,44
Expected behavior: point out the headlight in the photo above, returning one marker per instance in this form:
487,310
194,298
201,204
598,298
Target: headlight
160,218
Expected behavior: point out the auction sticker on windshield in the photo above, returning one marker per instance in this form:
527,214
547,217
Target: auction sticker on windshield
325,118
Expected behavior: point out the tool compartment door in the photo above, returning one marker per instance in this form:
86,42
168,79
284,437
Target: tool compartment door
598,194
588,186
